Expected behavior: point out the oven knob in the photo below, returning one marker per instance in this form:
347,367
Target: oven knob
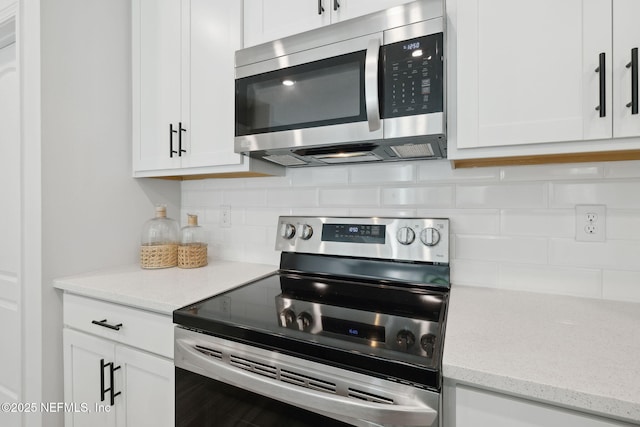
430,236
405,236
405,339
305,321
428,344
287,231
288,318
306,232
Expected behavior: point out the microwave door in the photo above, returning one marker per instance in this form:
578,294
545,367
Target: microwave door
326,95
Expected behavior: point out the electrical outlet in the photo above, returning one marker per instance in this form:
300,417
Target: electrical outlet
591,221
225,216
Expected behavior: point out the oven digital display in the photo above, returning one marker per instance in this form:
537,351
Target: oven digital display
354,233
353,329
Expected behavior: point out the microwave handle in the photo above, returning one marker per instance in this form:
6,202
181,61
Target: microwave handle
371,84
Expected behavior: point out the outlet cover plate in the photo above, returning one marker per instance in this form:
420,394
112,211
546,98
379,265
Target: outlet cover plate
591,223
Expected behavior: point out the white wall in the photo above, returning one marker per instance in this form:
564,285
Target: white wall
512,227
92,210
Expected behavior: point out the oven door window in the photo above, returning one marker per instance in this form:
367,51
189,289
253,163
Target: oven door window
319,93
203,402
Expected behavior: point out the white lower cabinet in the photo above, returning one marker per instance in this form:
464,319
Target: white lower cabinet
473,407
109,383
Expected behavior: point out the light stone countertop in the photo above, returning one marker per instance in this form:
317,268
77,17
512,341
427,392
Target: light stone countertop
573,352
162,290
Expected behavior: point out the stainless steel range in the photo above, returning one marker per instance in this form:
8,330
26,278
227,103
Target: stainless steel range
348,331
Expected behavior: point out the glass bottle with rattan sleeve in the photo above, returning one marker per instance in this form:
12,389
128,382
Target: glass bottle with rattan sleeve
159,241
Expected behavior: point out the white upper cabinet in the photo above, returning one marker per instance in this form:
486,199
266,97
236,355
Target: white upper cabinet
267,20
626,42
541,72
183,88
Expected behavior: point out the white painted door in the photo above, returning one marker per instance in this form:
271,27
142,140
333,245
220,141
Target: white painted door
83,384
347,9
526,71
213,34
156,33
10,242
626,37
148,386
267,20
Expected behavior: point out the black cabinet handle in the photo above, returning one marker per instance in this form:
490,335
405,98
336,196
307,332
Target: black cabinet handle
110,389
104,324
336,5
320,7
113,384
634,81
171,132
603,81
180,150
102,389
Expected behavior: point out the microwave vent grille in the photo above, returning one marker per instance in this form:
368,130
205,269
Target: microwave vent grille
285,160
413,150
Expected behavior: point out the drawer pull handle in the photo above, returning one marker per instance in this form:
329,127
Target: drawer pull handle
104,323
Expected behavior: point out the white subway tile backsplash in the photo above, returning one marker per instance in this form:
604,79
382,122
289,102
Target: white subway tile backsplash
511,227
292,197
538,222
621,285
244,197
395,172
614,194
319,176
623,224
382,212
436,196
475,273
441,171
629,169
467,221
552,172
320,211
552,280
353,196
612,254
525,195
264,217
496,248
196,198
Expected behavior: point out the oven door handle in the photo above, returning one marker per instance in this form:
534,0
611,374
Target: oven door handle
341,407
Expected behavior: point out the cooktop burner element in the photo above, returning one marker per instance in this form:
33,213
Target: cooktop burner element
367,294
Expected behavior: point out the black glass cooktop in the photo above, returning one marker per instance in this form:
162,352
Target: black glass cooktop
388,329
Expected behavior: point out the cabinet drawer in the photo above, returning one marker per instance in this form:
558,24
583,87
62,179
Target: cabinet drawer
145,330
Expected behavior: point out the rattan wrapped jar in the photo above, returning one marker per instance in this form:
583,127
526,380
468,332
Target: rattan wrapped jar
159,241
192,251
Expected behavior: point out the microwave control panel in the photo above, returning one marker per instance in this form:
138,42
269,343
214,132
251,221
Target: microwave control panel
412,77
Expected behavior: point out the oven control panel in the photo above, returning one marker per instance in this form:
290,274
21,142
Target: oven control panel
384,332
408,239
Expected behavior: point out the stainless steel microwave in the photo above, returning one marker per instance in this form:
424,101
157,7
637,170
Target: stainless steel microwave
368,89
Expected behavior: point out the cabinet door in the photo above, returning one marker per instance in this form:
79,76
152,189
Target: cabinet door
266,20
526,71
626,37
148,389
156,33
214,32
347,9
476,407
82,381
